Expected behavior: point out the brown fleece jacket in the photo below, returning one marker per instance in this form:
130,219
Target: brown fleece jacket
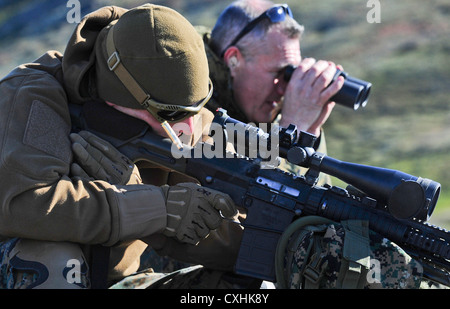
38,197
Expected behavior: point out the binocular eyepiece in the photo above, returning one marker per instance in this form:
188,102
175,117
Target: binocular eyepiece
353,94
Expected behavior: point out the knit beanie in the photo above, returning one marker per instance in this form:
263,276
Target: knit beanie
161,51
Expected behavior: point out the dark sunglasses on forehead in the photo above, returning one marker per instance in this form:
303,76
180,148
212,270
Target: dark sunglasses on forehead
275,14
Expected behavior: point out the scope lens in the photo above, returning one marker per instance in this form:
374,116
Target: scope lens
414,198
432,192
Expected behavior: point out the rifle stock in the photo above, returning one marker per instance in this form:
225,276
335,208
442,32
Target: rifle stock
274,199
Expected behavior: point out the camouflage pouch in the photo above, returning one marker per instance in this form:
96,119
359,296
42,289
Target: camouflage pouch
317,253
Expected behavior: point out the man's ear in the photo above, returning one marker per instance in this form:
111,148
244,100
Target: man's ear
233,58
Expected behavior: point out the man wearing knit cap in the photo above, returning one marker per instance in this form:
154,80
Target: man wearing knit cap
125,68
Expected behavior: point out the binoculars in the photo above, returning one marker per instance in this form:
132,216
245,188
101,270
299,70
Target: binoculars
353,94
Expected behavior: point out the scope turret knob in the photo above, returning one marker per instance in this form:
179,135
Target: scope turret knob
297,155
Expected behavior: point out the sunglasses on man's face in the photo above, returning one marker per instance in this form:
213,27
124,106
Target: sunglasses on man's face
275,14
173,113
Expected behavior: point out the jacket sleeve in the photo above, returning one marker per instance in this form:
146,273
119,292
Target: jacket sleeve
38,199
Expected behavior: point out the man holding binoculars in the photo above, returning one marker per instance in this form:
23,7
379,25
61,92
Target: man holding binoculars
258,73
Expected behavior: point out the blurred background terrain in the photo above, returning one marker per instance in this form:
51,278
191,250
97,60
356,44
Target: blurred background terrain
406,56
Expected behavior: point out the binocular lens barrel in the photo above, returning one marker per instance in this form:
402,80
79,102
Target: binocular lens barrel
353,94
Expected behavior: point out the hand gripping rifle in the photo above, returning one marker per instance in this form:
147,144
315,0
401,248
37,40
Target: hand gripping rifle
395,204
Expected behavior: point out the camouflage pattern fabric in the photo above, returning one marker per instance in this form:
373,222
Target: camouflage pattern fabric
27,264
11,278
316,258
167,273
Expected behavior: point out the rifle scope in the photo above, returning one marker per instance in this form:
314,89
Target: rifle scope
404,196
353,94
